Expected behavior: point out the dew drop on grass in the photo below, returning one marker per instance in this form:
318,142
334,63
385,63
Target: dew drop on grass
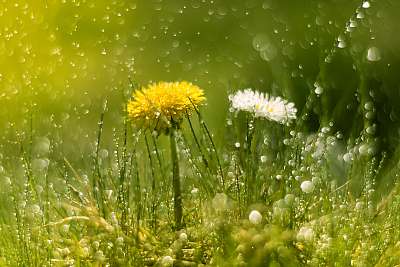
369,106
359,205
373,54
318,90
366,5
347,157
40,164
325,130
260,42
370,115
371,129
353,23
255,217
42,146
286,141
372,150
194,191
342,44
269,53
360,14
103,153
263,158
289,199
307,186
7,180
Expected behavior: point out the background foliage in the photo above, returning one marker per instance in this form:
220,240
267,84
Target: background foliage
65,57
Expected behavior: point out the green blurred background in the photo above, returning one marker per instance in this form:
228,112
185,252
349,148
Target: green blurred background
61,59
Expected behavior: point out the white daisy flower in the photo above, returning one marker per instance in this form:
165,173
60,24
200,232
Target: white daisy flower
263,106
246,100
280,110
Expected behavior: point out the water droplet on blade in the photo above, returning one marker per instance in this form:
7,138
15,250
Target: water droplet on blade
373,54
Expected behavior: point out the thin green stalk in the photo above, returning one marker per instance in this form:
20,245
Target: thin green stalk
252,161
153,187
46,208
21,235
160,160
122,200
32,192
98,186
203,124
205,180
138,195
176,182
158,156
237,182
203,157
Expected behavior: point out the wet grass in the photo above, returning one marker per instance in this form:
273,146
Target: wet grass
315,193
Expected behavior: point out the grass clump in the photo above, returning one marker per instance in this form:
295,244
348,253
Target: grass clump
272,195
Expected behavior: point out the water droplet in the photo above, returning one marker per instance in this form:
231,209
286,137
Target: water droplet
373,54
347,157
370,115
307,186
371,129
342,44
103,153
40,164
353,24
318,90
366,5
255,217
263,159
325,130
266,5
260,42
369,105
269,53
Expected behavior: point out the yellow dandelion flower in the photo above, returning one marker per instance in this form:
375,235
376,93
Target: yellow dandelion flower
161,105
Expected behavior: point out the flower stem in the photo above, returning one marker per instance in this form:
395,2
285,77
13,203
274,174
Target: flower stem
176,182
